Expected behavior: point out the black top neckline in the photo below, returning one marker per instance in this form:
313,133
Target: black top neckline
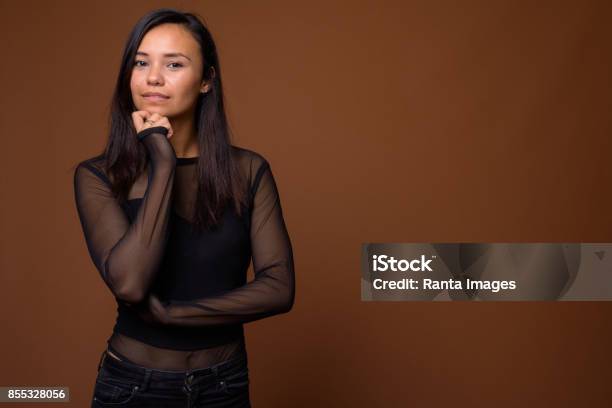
187,160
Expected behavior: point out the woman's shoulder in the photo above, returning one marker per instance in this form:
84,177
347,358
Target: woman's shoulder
96,161
93,165
249,159
253,165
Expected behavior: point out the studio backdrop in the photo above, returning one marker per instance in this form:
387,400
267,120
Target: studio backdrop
385,122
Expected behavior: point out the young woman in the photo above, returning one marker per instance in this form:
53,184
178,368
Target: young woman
172,214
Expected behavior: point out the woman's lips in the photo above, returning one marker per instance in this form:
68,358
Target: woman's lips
155,98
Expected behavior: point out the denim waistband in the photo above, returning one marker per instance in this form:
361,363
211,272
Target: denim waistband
138,373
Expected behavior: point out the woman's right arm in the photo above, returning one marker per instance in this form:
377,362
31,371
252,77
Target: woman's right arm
128,255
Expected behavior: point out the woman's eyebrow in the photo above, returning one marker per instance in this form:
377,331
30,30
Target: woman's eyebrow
170,54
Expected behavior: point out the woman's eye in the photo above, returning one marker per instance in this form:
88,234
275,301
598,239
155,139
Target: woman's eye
137,63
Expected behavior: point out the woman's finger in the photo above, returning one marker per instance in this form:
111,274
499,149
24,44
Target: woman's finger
154,117
158,310
169,126
139,117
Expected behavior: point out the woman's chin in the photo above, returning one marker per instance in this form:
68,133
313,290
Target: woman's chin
152,108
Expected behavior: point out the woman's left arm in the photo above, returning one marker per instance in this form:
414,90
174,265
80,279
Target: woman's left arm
272,291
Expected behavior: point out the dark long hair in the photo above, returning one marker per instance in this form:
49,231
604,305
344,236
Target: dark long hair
219,179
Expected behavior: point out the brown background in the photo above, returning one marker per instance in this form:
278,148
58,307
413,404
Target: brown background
385,121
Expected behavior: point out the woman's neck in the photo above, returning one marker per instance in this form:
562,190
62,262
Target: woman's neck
184,139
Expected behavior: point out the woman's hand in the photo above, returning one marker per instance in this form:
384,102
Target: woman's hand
160,149
158,310
153,311
144,119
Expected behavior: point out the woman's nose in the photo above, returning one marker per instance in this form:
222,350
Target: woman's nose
154,76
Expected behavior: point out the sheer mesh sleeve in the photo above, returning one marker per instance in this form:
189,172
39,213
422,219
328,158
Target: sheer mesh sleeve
127,255
272,291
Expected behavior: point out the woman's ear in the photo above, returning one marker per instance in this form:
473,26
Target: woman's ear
206,84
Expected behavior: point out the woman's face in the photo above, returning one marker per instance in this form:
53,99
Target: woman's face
167,62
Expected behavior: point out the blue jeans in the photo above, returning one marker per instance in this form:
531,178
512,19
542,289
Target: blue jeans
125,384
